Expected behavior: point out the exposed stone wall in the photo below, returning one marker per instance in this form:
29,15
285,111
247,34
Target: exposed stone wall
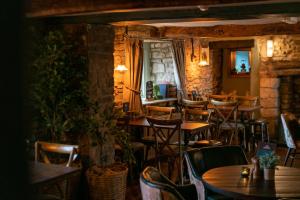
161,63
204,79
101,63
285,62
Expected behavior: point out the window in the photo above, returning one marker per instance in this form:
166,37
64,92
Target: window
240,65
158,65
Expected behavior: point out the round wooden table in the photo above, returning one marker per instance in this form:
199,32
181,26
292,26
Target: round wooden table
228,181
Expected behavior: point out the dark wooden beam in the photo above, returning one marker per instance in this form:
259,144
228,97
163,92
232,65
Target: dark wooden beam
228,12
38,8
231,44
231,30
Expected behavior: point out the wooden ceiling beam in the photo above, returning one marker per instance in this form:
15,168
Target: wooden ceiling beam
231,30
39,8
230,12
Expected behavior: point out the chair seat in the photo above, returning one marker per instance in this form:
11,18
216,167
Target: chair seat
206,143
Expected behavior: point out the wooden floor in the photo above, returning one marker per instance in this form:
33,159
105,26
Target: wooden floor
133,190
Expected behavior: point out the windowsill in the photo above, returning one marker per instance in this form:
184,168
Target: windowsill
165,100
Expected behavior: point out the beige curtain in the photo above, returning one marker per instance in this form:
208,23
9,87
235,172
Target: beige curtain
133,77
179,57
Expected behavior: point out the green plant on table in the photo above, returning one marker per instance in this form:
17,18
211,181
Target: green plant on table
269,160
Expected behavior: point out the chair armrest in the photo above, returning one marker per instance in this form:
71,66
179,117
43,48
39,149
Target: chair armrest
188,191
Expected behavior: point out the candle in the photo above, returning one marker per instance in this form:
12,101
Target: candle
245,171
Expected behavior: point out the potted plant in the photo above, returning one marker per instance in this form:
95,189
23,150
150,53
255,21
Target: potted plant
107,178
61,104
268,162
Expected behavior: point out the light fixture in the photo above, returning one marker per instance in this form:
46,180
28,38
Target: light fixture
203,53
270,48
121,68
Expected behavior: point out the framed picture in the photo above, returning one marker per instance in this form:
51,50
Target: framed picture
240,62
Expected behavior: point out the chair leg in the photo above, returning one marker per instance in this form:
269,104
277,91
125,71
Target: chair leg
287,156
293,154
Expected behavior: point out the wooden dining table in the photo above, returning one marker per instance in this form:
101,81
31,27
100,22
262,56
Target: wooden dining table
228,181
42,174
188,127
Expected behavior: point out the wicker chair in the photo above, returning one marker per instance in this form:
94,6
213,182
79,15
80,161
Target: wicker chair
200,160
155,185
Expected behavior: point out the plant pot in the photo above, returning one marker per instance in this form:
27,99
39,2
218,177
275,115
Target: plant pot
269,174
107,183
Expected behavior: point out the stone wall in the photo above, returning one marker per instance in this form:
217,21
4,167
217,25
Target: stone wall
285,62
101,63
161,63
204,79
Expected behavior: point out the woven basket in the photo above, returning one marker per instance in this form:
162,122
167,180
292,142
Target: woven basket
107,183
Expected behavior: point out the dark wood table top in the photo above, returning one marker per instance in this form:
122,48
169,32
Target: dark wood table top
228,181
188,126
41,173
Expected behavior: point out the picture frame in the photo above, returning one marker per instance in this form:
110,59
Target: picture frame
240,62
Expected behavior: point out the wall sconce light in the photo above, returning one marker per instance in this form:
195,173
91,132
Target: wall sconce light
270,48
203,54
121,68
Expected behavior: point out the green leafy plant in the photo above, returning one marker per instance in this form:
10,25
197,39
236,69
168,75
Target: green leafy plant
103,130
269,160
58,88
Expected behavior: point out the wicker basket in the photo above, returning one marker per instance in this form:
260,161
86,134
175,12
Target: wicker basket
107,183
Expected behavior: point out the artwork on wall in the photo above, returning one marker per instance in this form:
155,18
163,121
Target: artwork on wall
240,62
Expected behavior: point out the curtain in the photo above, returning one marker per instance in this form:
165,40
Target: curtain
133,77
179,59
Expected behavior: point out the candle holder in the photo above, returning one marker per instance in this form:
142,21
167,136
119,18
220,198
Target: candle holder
245,172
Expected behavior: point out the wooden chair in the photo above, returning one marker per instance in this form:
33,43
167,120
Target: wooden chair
42,151
226,119
194,104
293,145
42,147
246,100
165,148
157,111
154,111
219,97
204,138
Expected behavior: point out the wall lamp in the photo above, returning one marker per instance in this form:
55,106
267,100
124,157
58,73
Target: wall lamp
270,48
121,68
203,53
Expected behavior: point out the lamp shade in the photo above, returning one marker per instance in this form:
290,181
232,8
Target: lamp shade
270,48
121,68
204,56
